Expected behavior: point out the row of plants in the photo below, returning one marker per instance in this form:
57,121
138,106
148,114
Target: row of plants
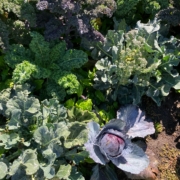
73,74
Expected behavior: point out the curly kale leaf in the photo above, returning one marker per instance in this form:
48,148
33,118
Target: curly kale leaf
175,3
169,16
74,17
133,10
40,48
58,51
24,11
67,81
23,72
19,17
55,90
73,59
28,14
47,60
17,54
4,35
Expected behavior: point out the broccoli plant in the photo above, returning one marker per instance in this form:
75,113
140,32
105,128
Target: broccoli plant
48,61
136,63
113,141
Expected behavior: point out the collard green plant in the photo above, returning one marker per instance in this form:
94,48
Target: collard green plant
138,62
45,139
47,61
113,141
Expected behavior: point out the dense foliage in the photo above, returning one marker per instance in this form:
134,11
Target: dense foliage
73,18
113,142
50,61
66,68
140,61
134,10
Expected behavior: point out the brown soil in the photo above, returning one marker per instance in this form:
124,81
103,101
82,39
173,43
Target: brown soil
165,143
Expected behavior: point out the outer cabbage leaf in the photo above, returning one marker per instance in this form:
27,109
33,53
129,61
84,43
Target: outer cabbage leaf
133,159
113,141
94,151
136,122
103,173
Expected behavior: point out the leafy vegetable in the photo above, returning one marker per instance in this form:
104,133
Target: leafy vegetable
73,17
138,62
44,138
45,60
113,142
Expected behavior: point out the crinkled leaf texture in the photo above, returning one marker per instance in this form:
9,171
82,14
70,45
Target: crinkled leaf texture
130,124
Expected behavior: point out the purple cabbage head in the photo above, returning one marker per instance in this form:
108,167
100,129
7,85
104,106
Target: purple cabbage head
113,142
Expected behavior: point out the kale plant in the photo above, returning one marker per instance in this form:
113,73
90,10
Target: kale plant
50,62
169,16
113,141
16,20
134,10
40,140
73,18
175,3
136,63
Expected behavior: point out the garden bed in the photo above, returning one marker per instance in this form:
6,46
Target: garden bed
163,147
90,89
